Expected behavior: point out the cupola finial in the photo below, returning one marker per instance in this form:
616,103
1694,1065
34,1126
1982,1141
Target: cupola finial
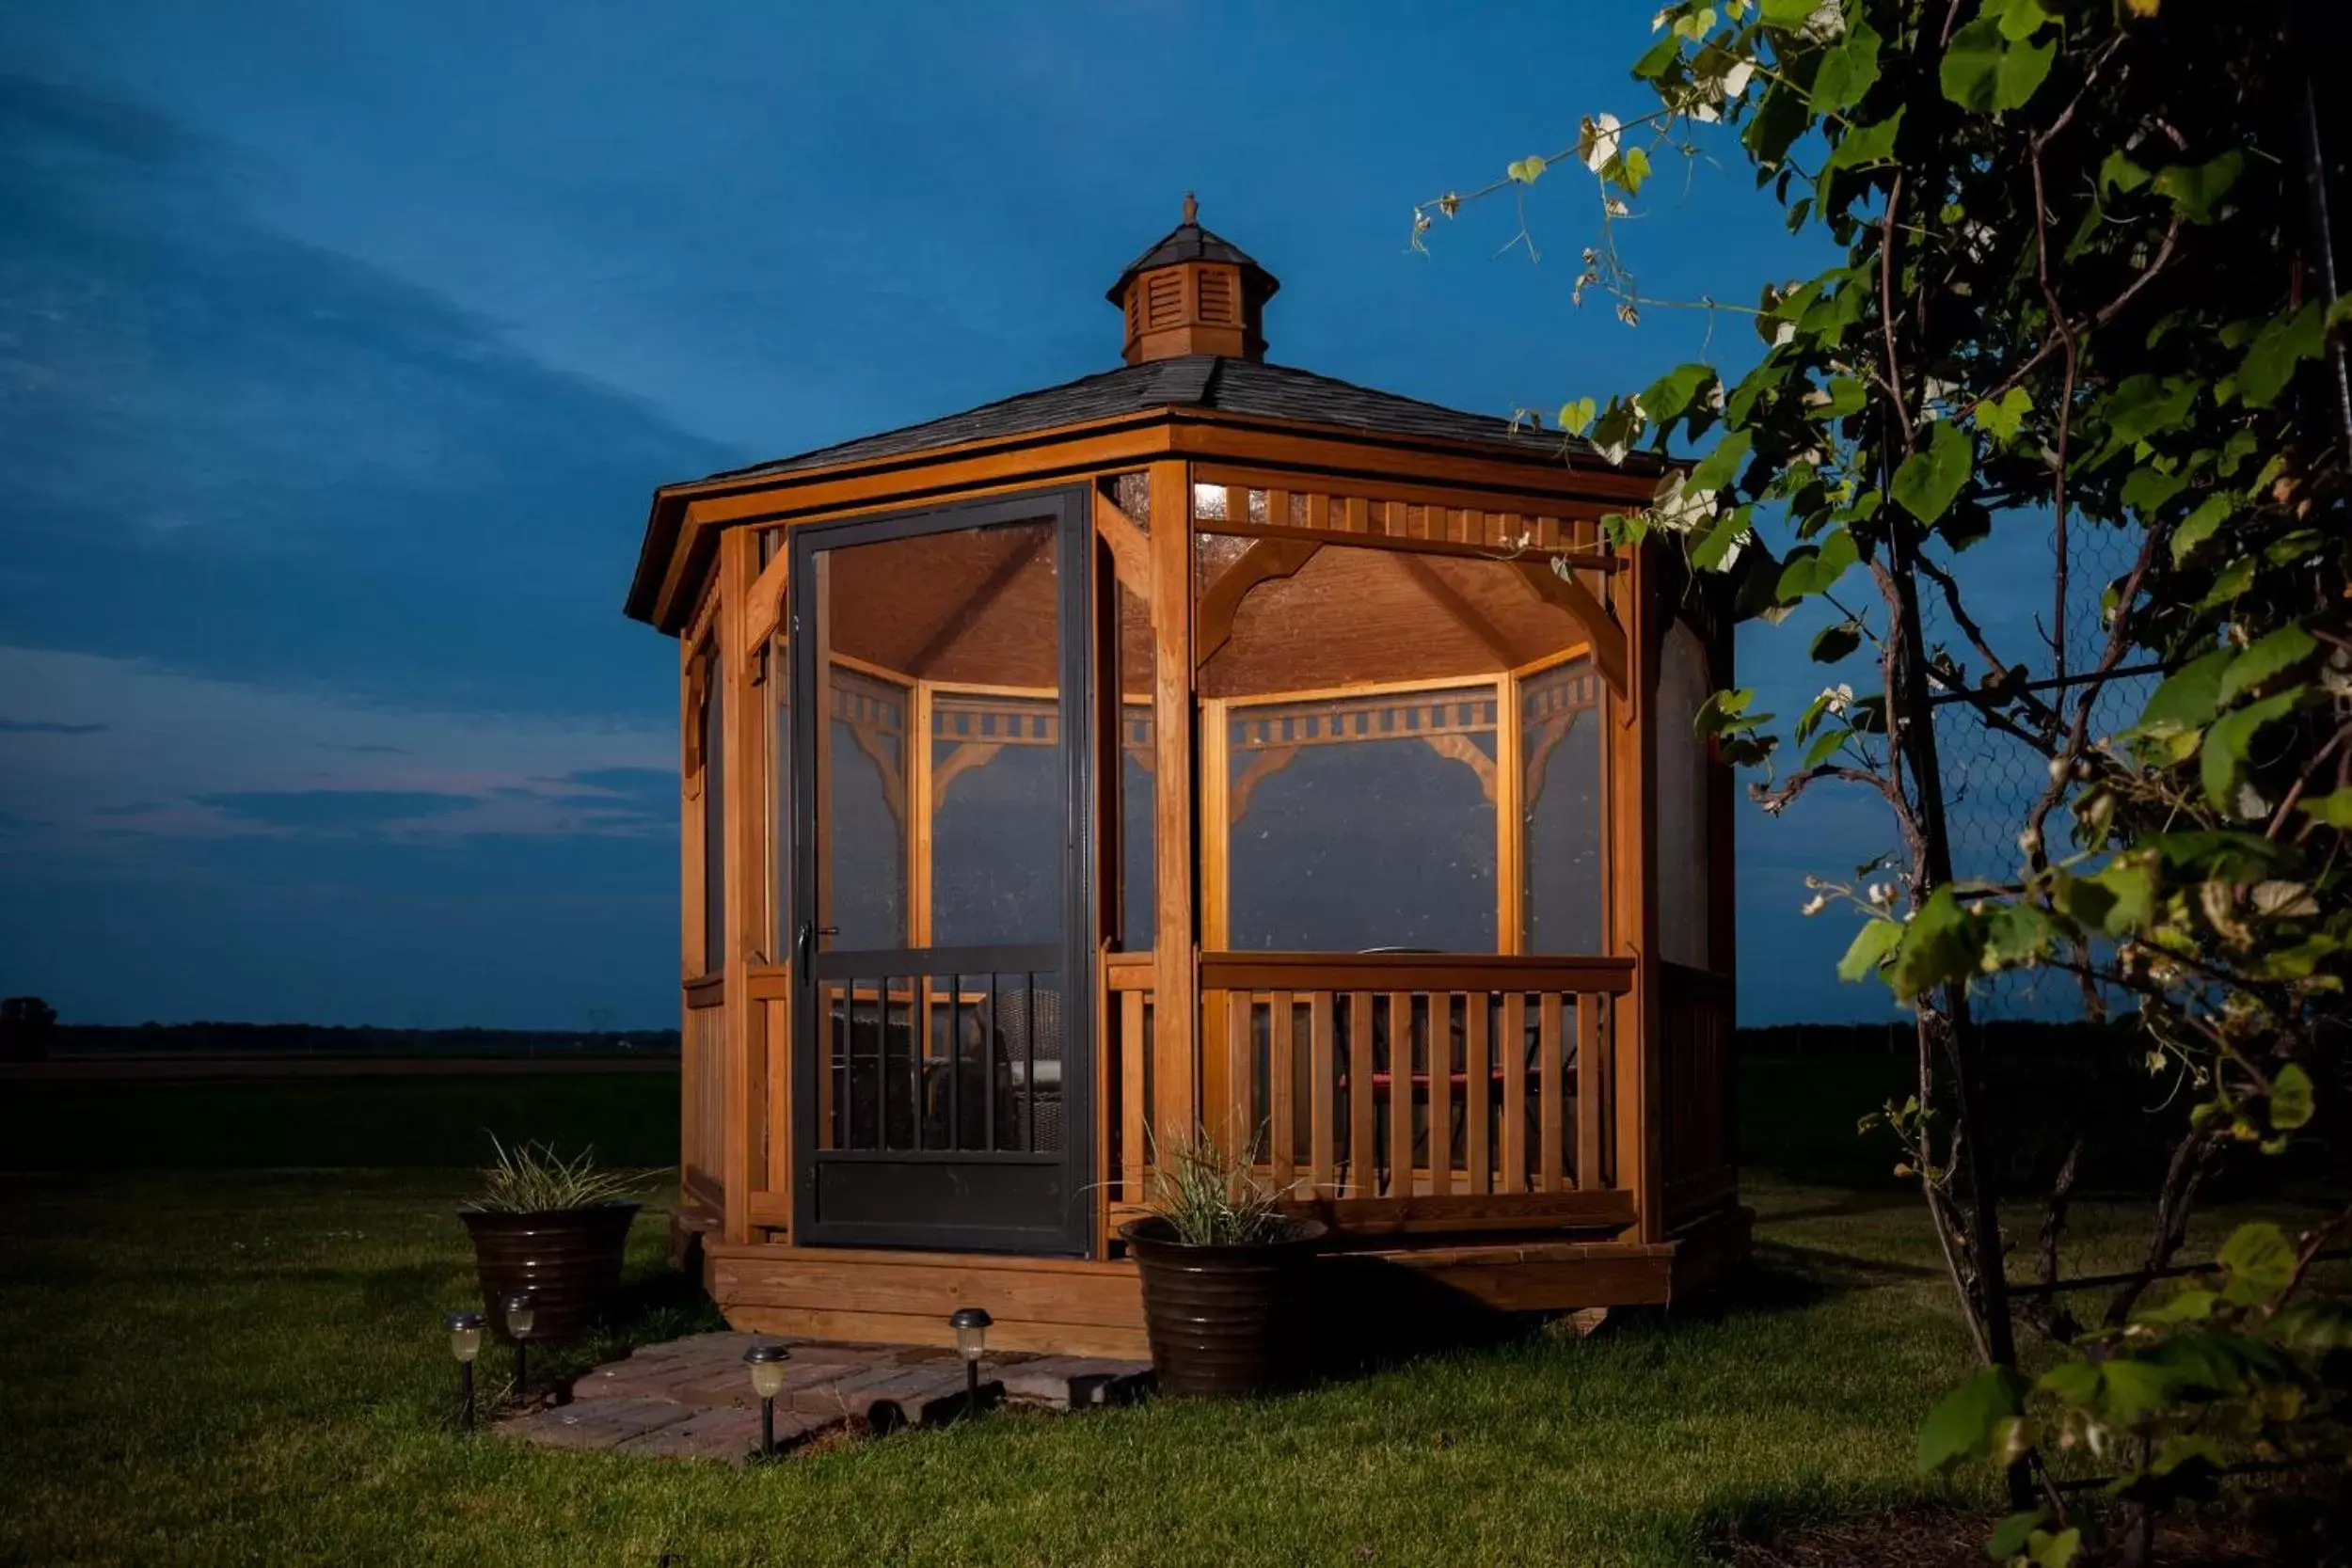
1192,209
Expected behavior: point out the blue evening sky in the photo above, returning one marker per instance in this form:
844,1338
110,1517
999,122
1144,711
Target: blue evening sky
342,345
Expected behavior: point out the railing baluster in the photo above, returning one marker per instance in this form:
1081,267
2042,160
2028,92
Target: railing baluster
1440,1093
1400,1094
1480,1088
1133,1111
1323,1108
1514,1047
1279,1129
1588,1091
955,1061
1549,1121
1362,1162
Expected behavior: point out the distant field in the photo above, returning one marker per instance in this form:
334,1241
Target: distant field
430,1119
1797,1117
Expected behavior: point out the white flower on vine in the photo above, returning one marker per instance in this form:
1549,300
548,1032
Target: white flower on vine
1599,140
1838,698
1882,894
1816,903
1736,80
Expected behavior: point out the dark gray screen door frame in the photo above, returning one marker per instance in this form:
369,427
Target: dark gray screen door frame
959,1198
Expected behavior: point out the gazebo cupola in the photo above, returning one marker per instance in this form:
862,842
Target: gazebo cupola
1193,293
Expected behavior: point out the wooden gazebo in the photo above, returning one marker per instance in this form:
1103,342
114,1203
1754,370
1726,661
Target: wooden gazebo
1204,744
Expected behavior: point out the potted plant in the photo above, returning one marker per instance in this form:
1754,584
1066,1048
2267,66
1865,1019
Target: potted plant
555,1228
1224,1274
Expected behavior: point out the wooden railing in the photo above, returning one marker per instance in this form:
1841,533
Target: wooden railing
702,1132
1393,1091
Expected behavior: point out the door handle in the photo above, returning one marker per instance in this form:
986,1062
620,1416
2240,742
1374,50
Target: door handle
807,942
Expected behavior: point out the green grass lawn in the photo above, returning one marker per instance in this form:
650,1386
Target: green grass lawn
247,1366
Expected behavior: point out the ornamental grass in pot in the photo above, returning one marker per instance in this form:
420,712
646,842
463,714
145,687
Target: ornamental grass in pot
555,1228
1224,1274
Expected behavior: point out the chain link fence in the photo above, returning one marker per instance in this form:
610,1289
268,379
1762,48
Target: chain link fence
1992,780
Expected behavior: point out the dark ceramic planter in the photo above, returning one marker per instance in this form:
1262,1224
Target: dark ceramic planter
1226,1320
569,1260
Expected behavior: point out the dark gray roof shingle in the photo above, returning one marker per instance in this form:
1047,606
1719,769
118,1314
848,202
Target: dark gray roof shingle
1190,242
1193,381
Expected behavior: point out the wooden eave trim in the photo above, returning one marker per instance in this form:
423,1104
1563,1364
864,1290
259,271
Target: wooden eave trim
678,532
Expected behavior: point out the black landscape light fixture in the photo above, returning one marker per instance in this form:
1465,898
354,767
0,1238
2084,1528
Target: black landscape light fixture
766,1362
521,1312
465,1343
971,1326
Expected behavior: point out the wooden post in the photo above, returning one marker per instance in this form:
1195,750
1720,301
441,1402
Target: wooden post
1175,974
1633,820
1509,818
742,728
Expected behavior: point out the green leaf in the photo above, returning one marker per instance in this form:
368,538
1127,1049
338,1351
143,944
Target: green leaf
1848,70
1657,58
1931,478
2148,490
1836,641
2131,1389
2020,19
2141,406
1716,549
1870,946
2230,585
2201,523
2118,899
2197,189
1940,943
1787,13
2118,173
2002,420
2228,739
1962,1424
2015,934
1631,168
2189,697
2276,350
1865,146
1575,417
1668,398
1815,569
1721,465
1526,171
2290,1098
2074,1381
2045,1550
1844,395
2259,1261
1825,746
2335,810
1987,72
2009,1538
2189,1306
2266,660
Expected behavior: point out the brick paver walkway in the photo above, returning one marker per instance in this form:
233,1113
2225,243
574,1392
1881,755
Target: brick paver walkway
691,1398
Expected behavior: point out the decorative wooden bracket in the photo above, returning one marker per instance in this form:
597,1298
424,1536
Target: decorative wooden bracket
1262,562
971,754
1130,549
1608,637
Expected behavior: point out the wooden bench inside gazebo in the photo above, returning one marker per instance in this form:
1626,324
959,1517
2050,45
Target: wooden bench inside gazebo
1202,745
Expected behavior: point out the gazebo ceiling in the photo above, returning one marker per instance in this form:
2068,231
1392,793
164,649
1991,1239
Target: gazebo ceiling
978,609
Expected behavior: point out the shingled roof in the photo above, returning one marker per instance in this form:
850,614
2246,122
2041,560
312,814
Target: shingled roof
1230,385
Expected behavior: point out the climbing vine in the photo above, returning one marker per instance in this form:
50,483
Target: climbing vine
2083,281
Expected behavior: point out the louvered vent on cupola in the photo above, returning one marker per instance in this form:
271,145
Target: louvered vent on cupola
1193,293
